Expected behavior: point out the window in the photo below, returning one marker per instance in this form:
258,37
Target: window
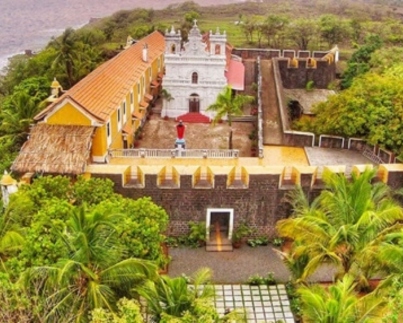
142,86
173,49
119,119
217,49
108,133
138,92
195,78
124,111
131,97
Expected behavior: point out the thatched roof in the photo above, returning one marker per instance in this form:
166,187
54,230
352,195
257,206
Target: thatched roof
307,99
55,149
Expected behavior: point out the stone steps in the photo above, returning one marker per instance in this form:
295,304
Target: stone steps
218,241
193,117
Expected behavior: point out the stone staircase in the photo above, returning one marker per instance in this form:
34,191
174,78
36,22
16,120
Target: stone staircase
193,117
366,152
218,241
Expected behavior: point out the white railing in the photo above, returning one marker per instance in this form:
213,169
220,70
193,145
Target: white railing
173,153
188,82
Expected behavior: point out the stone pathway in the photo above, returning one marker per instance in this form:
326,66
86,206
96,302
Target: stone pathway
231,270
261,303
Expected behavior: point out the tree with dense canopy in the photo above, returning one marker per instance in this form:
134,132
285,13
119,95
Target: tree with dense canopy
371,109
302,31
358,64
332,29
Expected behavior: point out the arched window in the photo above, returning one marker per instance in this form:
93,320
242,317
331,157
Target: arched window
173,49
217,49
195,78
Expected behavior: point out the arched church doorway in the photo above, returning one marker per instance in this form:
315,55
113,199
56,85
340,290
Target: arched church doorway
194,103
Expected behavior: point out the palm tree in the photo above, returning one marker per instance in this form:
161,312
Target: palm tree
167,97
172,296
66,53
341,222
18,116
339,304
10,241
228,105
93,275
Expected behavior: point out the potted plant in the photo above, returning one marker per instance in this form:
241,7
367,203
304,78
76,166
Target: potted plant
240,233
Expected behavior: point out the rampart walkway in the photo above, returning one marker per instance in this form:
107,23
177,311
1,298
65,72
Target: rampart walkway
272,133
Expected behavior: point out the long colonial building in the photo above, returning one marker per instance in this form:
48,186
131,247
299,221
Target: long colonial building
99,113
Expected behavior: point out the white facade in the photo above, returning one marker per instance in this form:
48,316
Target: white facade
194,73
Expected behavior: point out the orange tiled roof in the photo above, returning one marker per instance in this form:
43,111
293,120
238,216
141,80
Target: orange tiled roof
101,91
127,128
138,115
144,104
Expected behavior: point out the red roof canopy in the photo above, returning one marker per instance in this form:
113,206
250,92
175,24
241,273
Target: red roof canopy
235,75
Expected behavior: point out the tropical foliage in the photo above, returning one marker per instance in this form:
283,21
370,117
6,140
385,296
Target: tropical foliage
339,303
65,253
338,226
181,300
128,312
227,105
92,274
371,108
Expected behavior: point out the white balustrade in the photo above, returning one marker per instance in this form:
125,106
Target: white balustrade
174,153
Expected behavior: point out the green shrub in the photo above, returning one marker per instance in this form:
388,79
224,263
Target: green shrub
310,85
278,242
197,233
269,279
256,279
259,241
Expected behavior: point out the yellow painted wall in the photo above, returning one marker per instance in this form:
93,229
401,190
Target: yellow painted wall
117,141
99,147
69,115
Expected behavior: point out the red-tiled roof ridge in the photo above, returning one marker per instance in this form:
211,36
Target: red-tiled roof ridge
101,91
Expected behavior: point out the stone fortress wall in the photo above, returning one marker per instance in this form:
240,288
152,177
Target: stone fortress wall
257,198
257,194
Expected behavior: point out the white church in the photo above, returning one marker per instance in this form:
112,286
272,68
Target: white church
197,71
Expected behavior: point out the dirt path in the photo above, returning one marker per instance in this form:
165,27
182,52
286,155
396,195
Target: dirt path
161,134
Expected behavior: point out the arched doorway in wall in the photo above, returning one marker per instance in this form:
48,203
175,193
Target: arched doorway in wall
194,103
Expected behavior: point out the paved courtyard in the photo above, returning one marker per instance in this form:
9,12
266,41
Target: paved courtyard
331,156
261,303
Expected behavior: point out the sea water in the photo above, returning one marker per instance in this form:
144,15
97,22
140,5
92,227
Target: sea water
29,24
